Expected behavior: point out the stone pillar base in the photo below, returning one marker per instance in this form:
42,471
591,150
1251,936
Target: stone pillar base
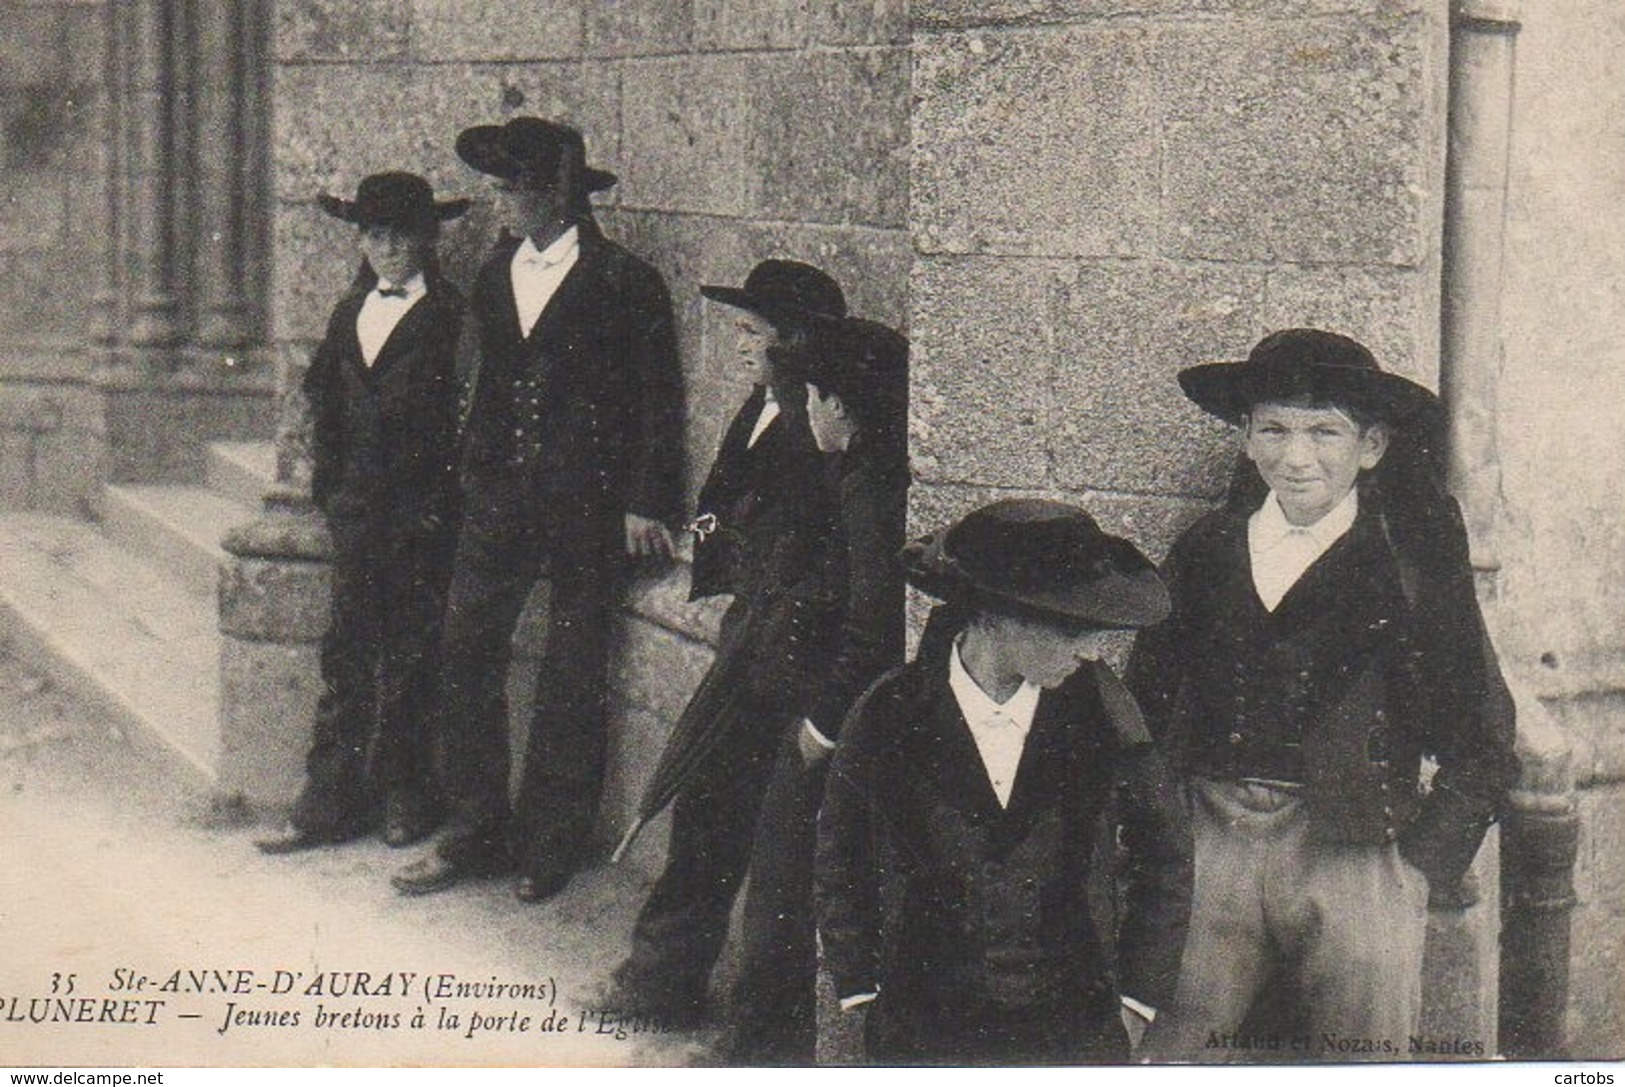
158,428
274,596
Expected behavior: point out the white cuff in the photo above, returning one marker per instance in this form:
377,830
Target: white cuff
1144,1011
856,1000
818,737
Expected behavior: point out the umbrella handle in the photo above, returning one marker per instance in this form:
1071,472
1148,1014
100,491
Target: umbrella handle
626,841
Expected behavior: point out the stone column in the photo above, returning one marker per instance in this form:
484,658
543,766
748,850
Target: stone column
155,317
228,171
109,313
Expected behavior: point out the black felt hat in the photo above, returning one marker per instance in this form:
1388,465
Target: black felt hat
778,289
395,199
1039,557
527,149
1304,362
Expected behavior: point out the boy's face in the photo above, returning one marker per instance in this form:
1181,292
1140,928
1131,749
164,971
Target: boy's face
395,254
535,206
753,335
1044,653
1311,456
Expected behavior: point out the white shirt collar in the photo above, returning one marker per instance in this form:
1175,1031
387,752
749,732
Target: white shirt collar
414,287
1269,525
556,252
978,706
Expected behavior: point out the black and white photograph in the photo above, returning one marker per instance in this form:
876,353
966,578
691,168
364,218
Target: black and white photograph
804,533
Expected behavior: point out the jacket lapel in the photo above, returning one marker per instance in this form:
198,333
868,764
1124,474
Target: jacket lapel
960,772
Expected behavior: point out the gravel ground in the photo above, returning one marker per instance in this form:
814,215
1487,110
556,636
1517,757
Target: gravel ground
117,870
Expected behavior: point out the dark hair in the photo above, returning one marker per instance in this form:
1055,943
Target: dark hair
1362,414
865,364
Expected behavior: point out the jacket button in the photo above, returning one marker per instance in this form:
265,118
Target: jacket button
1381,715
1235,738
1389,833
1387,812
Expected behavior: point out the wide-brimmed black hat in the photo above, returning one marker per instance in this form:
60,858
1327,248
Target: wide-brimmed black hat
778,289
1304,362
1042,558
396,199
529,149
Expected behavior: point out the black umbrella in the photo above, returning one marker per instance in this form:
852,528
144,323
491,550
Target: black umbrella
721,705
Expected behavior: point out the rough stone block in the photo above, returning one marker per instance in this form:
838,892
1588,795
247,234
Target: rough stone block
33,216
662,600
657,670
1602,815
1120,419
316,257
639,27
84,38
158,435
267,702
750,24
1387,309
30,45
1035,143
982,364
691,121
1152,523
941,14
320,143
830,137
358,30
269,600
1297,140
50,447
859,22
44,295
692,250
495,29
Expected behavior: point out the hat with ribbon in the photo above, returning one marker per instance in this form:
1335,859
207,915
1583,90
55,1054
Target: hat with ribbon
395,199
1042,558
777,289
1304,363
529,150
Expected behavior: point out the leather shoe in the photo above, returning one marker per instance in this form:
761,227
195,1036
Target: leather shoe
406,824
628,999
292,839
540,886
432,872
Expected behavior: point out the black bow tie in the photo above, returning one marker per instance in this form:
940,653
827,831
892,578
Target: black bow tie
392,292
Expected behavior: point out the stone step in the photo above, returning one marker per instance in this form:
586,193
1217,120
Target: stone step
242,471
179,526
116,631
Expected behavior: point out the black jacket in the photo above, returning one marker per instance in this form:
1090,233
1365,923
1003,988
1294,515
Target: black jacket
956,909
1345,686
769,507
384,437
587,411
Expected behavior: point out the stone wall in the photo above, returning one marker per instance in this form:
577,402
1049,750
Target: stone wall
740,130
1105,191
52,224
1563,461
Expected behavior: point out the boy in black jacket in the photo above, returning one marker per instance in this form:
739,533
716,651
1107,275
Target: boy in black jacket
383,401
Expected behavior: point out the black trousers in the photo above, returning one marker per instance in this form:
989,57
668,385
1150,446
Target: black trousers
684,922
508,538
775,1017
380,670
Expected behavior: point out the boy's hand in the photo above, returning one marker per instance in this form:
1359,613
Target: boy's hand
647,538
